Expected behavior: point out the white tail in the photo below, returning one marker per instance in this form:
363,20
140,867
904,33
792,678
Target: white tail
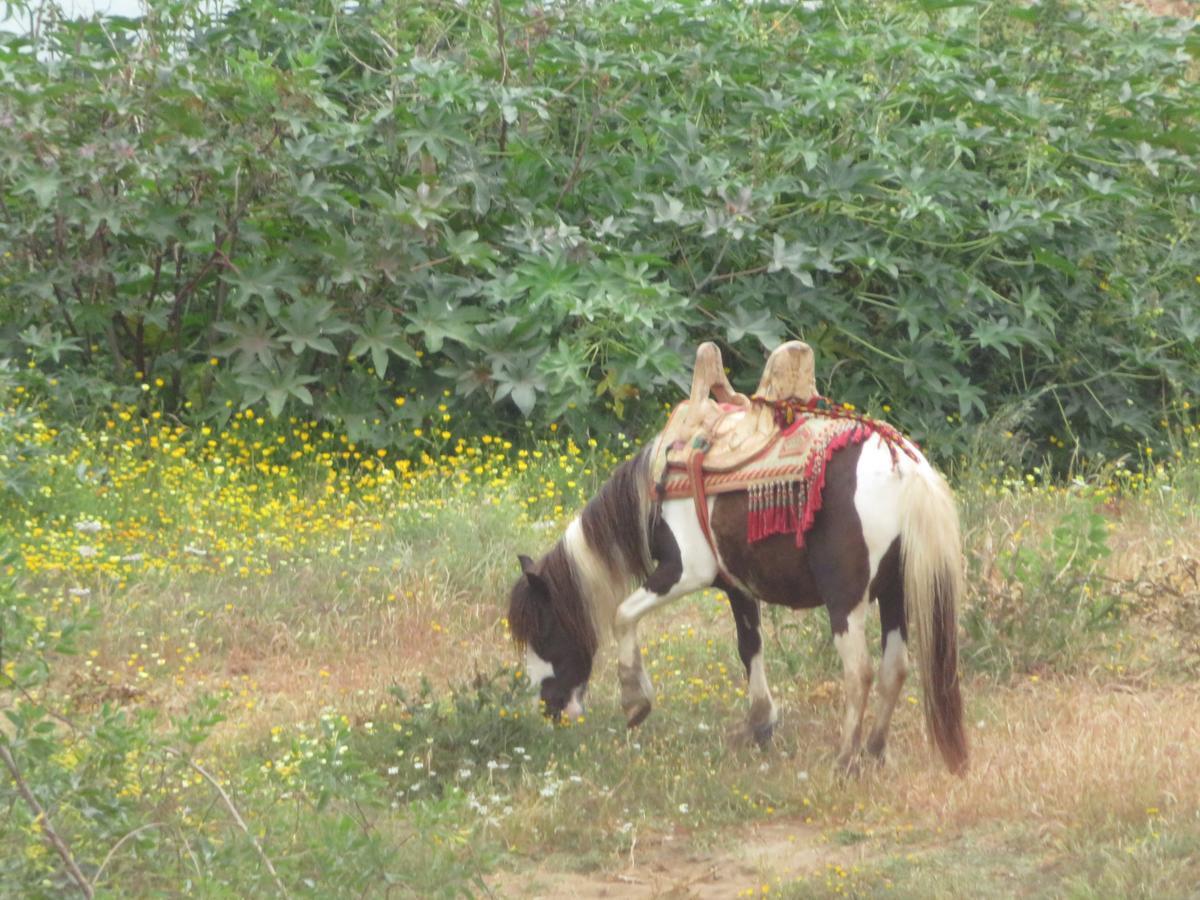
931,560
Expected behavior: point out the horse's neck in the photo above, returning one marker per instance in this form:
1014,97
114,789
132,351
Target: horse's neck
600,589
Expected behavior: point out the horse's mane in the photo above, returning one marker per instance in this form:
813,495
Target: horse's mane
592,568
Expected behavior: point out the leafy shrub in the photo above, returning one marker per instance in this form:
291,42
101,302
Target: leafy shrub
964,209
1048,598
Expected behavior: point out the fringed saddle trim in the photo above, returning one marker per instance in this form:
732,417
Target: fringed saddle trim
785,497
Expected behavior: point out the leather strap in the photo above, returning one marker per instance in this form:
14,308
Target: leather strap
695,470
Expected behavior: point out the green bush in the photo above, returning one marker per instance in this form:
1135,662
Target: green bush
964,207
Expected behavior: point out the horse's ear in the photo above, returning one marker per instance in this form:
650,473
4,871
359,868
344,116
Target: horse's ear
541,590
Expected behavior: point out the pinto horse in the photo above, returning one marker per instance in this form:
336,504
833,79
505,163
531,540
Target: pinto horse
887,531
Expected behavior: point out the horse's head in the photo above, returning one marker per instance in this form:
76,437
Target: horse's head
559,644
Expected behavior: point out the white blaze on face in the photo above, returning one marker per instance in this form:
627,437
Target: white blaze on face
537,668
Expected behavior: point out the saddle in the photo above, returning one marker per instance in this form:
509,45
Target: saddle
774,445
731,428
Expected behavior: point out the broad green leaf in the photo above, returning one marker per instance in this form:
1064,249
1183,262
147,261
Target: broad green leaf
380,336
309,323
439,321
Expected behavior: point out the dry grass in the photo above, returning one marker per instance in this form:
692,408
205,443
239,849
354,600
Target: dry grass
1070,754
1085,767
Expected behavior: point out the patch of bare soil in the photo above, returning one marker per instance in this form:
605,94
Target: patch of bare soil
1180,9
671,868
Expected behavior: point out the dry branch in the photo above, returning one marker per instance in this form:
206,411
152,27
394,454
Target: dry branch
51,836
237,817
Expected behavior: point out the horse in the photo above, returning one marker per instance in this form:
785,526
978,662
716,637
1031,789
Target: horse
887,531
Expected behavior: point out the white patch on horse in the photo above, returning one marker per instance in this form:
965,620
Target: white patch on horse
697,555
877,496
892,672
698,566
595,579
856,670
738,583
759,689
698,570
537,668
895,658
574,708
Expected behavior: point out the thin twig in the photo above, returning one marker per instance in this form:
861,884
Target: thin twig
504,71
571,179
430,262
48,831
728,276
117,846
191,853
237,817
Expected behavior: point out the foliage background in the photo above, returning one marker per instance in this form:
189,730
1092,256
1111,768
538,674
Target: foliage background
448,228
970,210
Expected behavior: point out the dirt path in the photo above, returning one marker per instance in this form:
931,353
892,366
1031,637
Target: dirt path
670,868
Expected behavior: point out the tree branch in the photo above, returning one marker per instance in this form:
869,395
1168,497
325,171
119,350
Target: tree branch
117,846
504,70
237,817
48,831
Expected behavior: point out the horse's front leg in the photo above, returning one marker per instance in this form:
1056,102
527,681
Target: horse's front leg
685,564
637,691
748,620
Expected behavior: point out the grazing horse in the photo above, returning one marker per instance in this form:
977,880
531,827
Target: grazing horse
887,530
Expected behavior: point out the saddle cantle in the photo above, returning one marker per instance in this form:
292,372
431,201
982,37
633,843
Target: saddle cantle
736,429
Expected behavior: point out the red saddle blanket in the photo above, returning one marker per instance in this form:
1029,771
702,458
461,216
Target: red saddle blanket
784,481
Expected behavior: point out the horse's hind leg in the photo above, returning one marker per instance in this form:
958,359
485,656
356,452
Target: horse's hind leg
851,643
888,589
840,567
748,620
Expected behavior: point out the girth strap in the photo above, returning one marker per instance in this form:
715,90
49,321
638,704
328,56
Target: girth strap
695,469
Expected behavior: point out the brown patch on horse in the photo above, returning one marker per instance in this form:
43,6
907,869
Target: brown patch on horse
887,589
774,568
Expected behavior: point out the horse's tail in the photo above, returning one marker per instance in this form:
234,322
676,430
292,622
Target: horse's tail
931,559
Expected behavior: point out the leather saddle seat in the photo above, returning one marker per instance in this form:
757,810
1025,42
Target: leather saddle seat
731,428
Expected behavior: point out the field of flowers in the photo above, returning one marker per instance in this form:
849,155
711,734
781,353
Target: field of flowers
262,659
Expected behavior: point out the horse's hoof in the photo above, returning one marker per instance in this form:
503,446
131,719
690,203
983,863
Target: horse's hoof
877,747
850,764
762,734
636,715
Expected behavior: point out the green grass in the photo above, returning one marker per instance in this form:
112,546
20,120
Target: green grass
360,704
